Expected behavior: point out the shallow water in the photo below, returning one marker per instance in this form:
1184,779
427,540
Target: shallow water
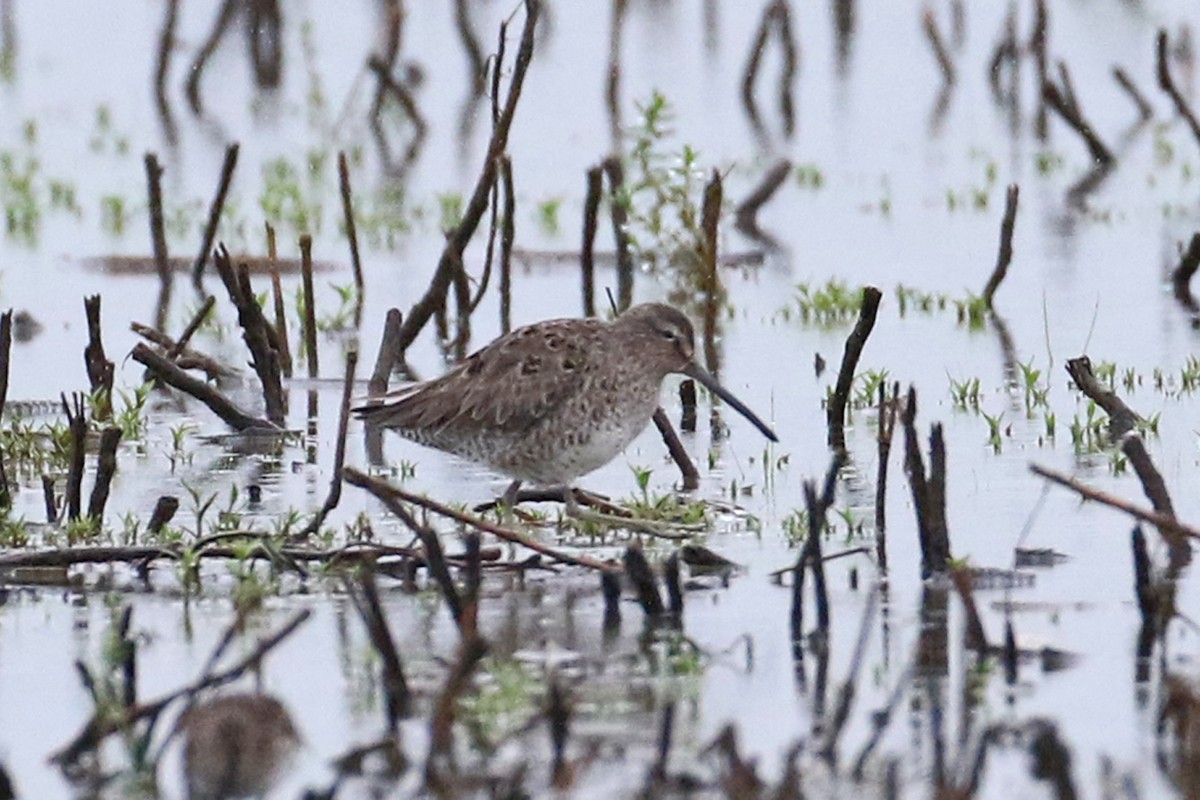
903,200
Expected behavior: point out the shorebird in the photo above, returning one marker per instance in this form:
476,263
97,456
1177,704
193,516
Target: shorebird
555,400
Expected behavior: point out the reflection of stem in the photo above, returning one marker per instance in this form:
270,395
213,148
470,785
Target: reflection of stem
612,89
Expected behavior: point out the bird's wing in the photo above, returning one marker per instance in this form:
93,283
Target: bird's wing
507,387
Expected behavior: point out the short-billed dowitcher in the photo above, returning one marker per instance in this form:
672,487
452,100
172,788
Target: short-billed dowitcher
552,401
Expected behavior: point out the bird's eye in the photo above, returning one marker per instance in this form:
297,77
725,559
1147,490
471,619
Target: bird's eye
668,334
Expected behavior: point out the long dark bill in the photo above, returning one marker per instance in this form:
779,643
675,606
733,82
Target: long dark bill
697,372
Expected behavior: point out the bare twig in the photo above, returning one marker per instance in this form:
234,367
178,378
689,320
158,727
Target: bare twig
366,600
587,264
940,51
158,237
929,492
99,368
77,423
256,332
171,374
387,492
218,204
1161,521
620,222
679,454
1071,114
433,299
310,310
389,354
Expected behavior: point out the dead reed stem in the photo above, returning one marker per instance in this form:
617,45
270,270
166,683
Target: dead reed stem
810,553
1181,276
507,235
679,454
710,279
351,235
257,333
310,307
889,408
281,331
620,222
940,51
389,354
587,263
99,368
929,492
855,342
77,423
1159,520
1037,45
158,237
106,467
215,209
224,18
433,298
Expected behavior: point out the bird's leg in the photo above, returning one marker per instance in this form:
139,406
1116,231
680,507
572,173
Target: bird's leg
509,498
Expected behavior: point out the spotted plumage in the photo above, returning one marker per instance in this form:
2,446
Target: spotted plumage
551,401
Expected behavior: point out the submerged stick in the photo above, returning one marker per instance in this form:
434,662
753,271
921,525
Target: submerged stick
855,342
214,210
507,235
220,405
1123,428
1005,253
810,553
